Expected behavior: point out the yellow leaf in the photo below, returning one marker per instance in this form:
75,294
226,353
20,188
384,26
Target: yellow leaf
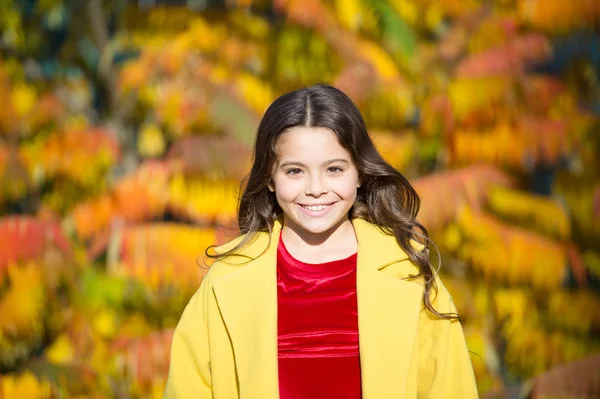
258,27
105,323
61,351
24,386
348,13
459,7
24,99
397,150
22,305
379,58
205,36
151,141
257,93
219,74
170,110
545,213
77,122
468,95
148,95
434,16
452,237
407,9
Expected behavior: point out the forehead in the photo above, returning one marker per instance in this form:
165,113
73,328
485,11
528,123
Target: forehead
309,143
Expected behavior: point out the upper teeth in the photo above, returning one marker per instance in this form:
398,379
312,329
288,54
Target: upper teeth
315,207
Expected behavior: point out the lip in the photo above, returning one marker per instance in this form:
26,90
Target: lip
316,213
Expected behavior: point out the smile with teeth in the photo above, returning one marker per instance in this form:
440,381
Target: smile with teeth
316,208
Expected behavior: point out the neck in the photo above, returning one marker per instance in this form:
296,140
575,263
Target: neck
335,243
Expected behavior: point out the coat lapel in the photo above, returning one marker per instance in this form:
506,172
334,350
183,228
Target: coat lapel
388,312
388,309
247,299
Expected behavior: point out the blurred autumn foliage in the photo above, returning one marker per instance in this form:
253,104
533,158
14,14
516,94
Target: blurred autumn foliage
125,130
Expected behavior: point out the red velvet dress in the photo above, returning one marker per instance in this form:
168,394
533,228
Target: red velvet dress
317,328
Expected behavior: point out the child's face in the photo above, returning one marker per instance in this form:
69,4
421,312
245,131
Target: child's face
314,180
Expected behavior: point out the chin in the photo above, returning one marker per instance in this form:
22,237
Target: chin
316,229
319,226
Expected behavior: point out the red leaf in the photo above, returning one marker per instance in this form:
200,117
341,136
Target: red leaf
136,197
146,358
443,193
204,155
506,60
576,379
25,237
162,253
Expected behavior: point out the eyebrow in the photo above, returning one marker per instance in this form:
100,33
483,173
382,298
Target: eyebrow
294,163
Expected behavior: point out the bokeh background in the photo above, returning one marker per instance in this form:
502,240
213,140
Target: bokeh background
126,128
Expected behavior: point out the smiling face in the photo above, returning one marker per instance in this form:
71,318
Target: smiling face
314,180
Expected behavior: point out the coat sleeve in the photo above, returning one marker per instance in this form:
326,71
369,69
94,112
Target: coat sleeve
445,369
189,367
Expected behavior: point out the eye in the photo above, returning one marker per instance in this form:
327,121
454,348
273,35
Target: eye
293,171
335,169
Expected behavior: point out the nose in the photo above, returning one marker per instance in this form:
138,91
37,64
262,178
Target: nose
315,187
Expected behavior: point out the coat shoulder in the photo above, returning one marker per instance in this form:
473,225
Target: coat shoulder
238,252
381,235
380,246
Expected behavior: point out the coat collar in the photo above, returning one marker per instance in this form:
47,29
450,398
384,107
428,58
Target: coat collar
370,237
388,309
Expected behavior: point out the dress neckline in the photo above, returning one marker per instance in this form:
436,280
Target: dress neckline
330,268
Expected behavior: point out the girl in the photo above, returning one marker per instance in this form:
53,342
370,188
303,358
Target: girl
328,292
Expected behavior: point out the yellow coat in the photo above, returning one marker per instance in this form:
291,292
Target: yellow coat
225,345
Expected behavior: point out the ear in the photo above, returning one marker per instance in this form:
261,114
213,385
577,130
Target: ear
271,186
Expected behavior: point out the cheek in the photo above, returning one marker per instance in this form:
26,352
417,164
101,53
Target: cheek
350,192
347,188
287,190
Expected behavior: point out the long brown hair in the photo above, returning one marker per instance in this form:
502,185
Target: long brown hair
385,197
